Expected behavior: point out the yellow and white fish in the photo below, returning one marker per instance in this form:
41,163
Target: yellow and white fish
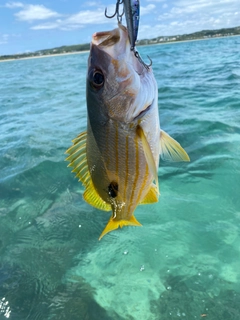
117,158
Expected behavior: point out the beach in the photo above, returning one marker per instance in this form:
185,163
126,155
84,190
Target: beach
46,56
84,51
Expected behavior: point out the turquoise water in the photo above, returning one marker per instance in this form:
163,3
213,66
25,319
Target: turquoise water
184,262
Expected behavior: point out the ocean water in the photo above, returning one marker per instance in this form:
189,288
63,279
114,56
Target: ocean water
184,263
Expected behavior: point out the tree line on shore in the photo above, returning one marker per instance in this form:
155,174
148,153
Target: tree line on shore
204,34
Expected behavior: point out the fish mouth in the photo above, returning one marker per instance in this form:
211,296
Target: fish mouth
106,38
110,38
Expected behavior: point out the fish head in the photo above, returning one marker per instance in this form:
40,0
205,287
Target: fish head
119,86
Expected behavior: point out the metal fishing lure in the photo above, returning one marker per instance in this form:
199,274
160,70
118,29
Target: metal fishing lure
132,13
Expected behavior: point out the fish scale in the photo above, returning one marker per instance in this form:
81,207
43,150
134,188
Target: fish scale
122,151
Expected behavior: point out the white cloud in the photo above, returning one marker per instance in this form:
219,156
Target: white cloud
35,12
178,27
158,17
203,6
87,17
46,26
91,4
13,5
187,16
148,9
75,21
31,13
4,38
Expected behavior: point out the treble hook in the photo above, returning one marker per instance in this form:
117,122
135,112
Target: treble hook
132,12
131,9
137,55
117,11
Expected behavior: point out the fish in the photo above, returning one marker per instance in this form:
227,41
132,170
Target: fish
117,157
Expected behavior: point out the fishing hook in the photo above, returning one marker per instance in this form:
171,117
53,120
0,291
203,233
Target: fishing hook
137,55
117,11
132,12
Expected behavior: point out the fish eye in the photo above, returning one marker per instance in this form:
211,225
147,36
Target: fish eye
97,79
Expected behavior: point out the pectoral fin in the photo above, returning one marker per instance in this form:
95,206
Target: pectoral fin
148,155
78,161
113,225
170,149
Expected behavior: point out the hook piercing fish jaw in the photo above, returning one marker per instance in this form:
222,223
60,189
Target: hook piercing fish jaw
132,12
137,55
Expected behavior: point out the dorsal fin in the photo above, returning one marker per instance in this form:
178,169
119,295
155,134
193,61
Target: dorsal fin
78,161
170,149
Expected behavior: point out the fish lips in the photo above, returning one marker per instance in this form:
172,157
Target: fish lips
114,42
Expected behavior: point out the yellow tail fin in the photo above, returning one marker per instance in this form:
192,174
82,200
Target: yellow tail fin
112,225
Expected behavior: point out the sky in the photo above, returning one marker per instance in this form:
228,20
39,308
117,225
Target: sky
31,25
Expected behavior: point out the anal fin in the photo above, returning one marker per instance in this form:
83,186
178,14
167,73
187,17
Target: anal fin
91,196
151,196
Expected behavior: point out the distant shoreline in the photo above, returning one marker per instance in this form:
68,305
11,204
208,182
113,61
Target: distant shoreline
45,56
200,39
142,45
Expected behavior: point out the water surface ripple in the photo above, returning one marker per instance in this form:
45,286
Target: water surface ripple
184,262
